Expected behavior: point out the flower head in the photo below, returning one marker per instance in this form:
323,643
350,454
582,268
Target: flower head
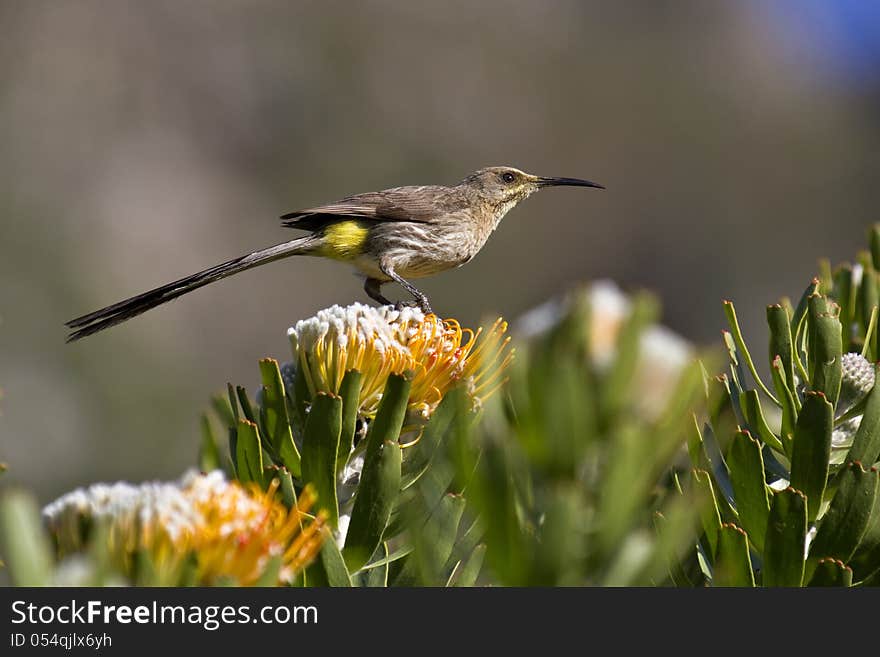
381,341
662,354
857,380
229,530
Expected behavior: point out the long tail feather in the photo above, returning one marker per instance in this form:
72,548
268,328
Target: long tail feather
124,310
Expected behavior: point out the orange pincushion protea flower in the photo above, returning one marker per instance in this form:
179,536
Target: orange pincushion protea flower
229,531
381,341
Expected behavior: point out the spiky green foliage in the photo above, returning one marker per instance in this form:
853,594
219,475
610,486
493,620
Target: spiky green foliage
371,483
570,483
791,466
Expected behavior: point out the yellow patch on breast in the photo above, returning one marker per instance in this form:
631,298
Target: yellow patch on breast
344,240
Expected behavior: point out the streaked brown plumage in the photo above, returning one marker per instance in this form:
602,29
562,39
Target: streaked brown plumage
392,235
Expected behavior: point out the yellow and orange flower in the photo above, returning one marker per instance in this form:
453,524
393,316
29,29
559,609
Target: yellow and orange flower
381,341
232,532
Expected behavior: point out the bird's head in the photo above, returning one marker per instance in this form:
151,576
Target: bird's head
504,187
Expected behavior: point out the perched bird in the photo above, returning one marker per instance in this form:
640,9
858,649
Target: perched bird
393,235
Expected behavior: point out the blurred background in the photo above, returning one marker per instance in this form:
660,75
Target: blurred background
143,141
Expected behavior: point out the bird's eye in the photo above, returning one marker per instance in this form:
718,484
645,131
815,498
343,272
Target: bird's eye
508,177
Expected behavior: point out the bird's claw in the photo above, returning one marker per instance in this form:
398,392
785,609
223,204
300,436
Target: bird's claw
422,305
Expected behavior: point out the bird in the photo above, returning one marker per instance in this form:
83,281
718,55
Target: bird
392,235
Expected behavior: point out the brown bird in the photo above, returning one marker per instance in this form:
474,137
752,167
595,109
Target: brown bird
393,235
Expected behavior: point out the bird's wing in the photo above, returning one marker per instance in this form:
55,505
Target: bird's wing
417,204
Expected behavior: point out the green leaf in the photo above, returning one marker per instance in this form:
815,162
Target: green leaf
555,406
376,494
233,450
623,490
434,542
23,541
275,420
741,347
825,278
751,407
334,564
722,412
221,407
737,373
867,557
874,238
708,504
845,294
831,572
789,407
826,349
720,474
799,332
562,542
415,503
145,571
812,449
869,339
271,572
685,395
493,491
329,568
380,479
466,543
288,492
669,530
209,452
868,298
320,447
800,313
249,453
468,571
784,539
750,492
433,435
233,404
349,390
732,564
244,401
437,537
300,398
846,520
695,443
400,553
99,552
781,341
620,376
377,576
866,443
391,414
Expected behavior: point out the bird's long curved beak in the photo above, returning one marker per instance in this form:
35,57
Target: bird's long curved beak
570,182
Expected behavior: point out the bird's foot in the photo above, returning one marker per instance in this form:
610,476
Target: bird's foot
421,304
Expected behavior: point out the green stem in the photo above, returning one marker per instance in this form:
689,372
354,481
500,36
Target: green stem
872,326
741,345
